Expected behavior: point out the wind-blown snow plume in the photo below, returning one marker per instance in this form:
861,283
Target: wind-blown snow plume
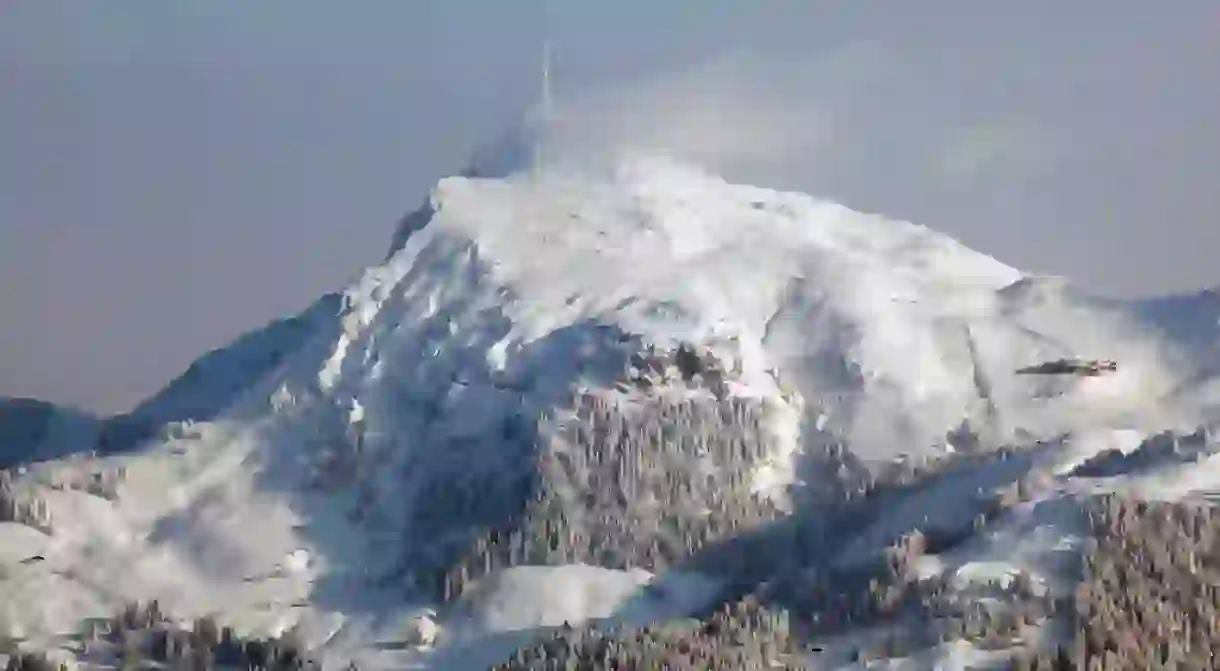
731,116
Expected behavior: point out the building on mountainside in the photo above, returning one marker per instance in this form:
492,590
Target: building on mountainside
1087,367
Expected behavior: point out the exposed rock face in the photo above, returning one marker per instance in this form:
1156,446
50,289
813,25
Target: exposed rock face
687,365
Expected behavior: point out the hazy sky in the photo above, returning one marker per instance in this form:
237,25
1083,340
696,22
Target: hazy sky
173,173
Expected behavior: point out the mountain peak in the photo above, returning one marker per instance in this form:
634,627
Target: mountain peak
632,364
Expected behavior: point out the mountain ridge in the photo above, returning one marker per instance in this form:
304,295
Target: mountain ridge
637,367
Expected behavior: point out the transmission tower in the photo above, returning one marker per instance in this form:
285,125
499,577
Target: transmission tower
546,111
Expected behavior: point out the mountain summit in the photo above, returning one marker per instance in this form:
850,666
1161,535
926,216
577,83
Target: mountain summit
631,391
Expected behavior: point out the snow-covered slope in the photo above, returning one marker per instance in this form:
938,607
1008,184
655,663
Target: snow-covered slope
215,380
638,367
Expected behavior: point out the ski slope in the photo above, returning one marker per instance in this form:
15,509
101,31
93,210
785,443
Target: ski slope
299,490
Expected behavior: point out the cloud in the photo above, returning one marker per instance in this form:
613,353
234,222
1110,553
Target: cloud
721,115
742,115
863,122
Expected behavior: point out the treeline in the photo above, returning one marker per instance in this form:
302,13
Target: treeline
143,637
31,512
645,486
1150,594
742,636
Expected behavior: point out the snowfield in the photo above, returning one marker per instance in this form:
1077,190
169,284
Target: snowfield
626,395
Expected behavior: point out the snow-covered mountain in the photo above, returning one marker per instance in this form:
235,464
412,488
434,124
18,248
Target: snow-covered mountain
633,392
34,430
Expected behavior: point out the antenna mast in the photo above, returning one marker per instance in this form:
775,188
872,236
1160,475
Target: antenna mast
547,106
546,79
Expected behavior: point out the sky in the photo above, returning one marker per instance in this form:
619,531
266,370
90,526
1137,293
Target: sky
173,174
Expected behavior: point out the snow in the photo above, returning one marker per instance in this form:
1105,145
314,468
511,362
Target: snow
882,335
519,602
529,597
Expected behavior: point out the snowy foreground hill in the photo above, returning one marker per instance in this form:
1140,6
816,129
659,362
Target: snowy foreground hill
779,433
